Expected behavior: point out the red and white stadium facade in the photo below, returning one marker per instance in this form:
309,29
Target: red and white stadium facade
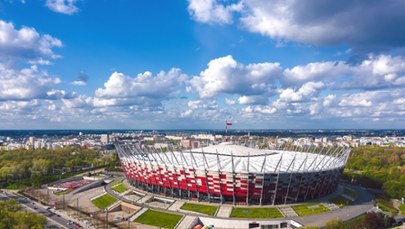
235,173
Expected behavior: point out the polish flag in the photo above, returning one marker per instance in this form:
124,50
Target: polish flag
228,123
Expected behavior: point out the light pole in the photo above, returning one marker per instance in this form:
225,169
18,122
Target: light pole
47,194
106,216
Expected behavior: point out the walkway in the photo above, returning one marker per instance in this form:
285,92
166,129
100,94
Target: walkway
363,203
287,211
176,206
224,211
187,222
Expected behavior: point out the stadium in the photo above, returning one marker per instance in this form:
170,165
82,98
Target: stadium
234,173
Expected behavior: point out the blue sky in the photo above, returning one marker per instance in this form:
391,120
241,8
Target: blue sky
194,64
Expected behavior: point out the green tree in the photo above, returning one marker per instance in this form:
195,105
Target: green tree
12,217
40,165
334,224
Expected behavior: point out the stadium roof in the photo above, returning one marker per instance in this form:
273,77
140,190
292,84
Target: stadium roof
229,148
220,157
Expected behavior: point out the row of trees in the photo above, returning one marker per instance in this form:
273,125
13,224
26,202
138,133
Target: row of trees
12,217
378,167
33,164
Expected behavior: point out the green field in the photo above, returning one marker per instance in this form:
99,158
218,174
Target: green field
350,193
159,219
355,221
104,201
120,188
340,201
201,208
386,205
115,183
256,213
309,209
402,208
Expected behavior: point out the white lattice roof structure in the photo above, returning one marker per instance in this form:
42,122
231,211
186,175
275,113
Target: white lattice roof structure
230,157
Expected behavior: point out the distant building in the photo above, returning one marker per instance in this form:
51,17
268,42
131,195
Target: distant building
175,138
162,145
153,138
348,138
105,139
190,144
31,141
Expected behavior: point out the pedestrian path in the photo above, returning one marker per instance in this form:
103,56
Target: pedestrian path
331,206
187,222
144,199
176,205
140,212
224,211
287,211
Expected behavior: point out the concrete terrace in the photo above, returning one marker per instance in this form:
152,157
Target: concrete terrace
362,204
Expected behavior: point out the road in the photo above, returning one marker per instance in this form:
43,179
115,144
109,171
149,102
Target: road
54,220
363,203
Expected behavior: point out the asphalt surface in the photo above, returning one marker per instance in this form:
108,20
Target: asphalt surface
362,204
54,219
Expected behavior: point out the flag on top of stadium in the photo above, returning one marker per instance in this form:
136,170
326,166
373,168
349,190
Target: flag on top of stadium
228,123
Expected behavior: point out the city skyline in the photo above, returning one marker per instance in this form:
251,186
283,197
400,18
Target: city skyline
83,64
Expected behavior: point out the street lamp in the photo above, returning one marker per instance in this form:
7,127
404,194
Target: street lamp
106,216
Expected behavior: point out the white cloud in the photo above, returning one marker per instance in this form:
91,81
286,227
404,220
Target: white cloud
26,43
357,23
144,84
144,89
307,90
39,61
193,105
399,101
260,109
186,113
79,83
225,75
355,101
230,101
328,100
25,84
212,11
62,6
253,99
360,24
82,79
374,72
17,106
315,71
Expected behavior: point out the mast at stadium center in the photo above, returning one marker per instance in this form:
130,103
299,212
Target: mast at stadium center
226,129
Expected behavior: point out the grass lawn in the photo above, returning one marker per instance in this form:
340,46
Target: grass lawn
350,193
104,201
386,205
353,223
309,209
159,219
115,183
402,208
340,201
256,213
201,208
120,188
